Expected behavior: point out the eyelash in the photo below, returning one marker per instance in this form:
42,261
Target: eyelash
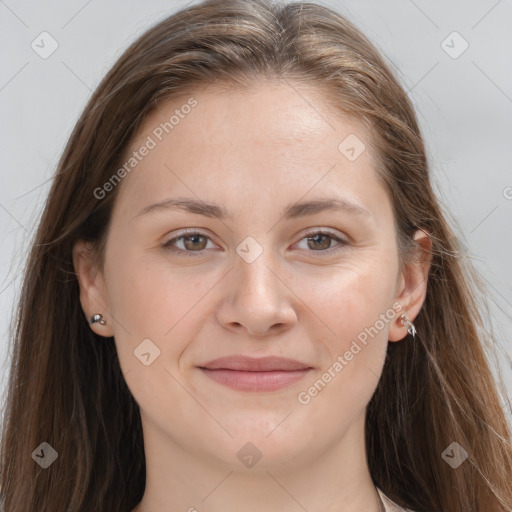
188,234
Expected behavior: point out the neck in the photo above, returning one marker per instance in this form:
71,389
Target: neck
337,480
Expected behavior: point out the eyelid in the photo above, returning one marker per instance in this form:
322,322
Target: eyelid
325,231
187,232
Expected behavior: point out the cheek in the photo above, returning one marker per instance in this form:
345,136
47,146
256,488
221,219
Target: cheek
355,304
150,293
150,299
351,297
139,296
151,302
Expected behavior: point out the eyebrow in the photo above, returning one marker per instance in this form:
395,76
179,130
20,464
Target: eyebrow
292,211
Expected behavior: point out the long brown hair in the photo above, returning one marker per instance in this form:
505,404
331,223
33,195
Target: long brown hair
66,387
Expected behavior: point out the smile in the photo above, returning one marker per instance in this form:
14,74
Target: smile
255,380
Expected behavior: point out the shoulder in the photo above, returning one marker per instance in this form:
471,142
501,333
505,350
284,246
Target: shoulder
389,505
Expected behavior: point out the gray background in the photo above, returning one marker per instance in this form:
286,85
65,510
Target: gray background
464,104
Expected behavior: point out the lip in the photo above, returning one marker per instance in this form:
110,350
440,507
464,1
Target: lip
255,364
255,374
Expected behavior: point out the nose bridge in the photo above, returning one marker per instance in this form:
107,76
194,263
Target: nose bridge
256,298
254,268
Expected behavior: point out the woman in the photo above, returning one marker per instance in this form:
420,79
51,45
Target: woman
243,294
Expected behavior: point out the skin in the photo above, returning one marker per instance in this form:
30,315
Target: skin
254,152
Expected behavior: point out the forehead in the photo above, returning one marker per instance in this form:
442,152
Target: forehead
278,113
266,141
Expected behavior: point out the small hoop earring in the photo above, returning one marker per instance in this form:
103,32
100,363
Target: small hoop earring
407,323
97,318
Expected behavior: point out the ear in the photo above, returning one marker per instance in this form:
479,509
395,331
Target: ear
93,296
412,285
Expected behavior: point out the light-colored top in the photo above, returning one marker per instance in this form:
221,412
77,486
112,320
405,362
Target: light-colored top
390,506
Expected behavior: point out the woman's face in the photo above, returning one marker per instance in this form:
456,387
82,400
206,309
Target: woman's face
295,256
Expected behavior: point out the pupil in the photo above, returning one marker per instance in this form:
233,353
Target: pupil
194,239
325,237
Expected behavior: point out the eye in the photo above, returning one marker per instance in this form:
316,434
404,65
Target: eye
196,242
193,241
320,241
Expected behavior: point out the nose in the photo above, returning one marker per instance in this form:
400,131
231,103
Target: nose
256,300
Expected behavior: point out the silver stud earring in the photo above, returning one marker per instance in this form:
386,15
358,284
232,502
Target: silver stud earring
97,318
407,323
